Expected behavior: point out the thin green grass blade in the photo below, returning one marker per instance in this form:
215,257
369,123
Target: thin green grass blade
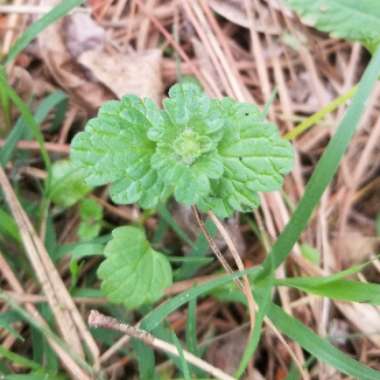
145,360
199,250
28,117
343,290
191,328
18,359
50,102
152,319
167,216
183,363
322,280
326,168
7,319
13,137
47,104
191,260
8,226
320,348
321,114
263,298
62,9
45,331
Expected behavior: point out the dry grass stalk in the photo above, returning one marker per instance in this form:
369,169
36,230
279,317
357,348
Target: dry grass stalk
72,367
68,318
97,319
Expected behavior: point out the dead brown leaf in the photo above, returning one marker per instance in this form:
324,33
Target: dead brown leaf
136,73
354,247
82,33
55,52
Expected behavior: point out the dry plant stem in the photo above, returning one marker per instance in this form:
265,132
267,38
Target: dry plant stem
72,367
239,263
33,145
68,318
213,246
176,288
170,39
252,306
97,319
34,9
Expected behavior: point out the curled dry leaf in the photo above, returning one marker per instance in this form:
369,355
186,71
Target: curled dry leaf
184,216
82,33
54,48
235,11
355,247
226,353
135,73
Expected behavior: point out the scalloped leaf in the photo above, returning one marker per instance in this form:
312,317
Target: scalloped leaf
68,184
115,149
91,217
133,273
355,20
254,156
216,154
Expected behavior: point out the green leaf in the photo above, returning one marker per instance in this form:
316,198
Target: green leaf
67,184
254,156
91,216
6,321
350,19
18,359
38,26
343,290
26,114
310,253
115,149
8,227
325,169
133,273
320,348
216,154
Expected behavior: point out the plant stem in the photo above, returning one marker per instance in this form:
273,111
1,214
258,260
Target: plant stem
97,319
316,117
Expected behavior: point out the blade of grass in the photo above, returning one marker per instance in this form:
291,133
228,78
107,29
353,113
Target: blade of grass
50,102
13,137
6,111
62,9
46,331
343,290
145,360
323,280
167,216
199,249
18,359
152,319
6,320
326,167
320,348
263,299
8,227
321,114
184,366
28,117
191,328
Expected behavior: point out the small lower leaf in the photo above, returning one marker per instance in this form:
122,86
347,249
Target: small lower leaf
133,273
91,216
68,184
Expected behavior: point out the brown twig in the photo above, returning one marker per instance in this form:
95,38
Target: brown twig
97,319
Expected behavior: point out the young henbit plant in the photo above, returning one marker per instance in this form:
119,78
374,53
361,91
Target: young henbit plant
216,154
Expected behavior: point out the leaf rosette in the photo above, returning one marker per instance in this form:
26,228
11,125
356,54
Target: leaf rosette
213,153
